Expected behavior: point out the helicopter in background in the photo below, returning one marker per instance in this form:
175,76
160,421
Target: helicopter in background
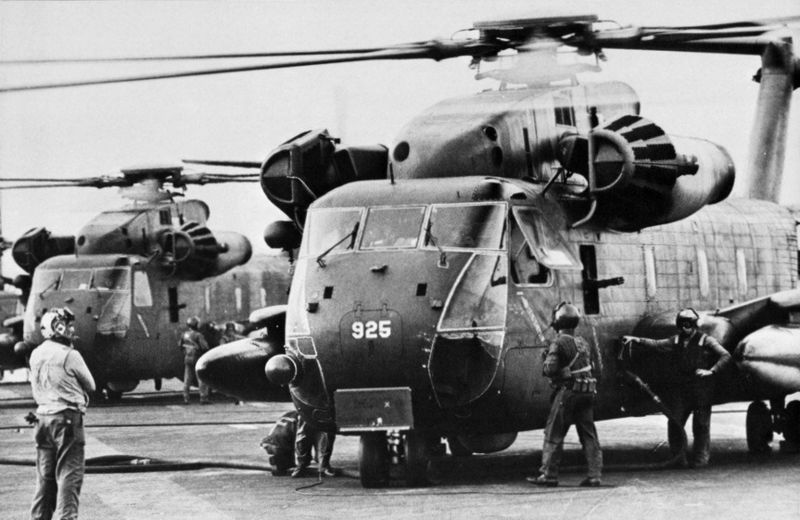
133,275
428,269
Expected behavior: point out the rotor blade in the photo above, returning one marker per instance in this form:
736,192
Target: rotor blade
232,164
435,50
187,57
28,179
729,40
789,20
214,178
52,185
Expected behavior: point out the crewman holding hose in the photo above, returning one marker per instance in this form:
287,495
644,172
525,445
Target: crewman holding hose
61,384
569,364
698,357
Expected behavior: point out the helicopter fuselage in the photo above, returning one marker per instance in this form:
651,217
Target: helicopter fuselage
445,287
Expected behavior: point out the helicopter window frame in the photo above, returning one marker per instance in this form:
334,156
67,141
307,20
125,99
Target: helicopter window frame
341,248
70,276
125,277
502,222
42,284
547,245
525,249
142,295
422,211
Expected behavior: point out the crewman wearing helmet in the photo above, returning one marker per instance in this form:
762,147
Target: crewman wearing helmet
230,335
572,366
61,384
698,358
194,345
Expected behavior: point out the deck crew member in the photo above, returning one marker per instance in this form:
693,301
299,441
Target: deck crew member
698,357
569,365
61,384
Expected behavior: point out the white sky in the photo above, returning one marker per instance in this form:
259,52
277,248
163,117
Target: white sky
89,131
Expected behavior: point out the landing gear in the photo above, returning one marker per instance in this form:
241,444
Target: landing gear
759,427
418,459
373,460
157,383
457,448
791,427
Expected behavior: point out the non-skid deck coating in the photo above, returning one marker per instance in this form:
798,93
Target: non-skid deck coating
149,425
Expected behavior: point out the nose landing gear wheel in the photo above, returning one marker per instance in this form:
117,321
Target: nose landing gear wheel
418,459
373,460
791,430
759,427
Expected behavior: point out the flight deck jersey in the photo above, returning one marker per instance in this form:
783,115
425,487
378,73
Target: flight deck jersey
59,378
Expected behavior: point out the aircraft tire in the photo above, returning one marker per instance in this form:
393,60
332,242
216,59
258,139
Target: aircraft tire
759,427
373,460
791,430
457,448
418,459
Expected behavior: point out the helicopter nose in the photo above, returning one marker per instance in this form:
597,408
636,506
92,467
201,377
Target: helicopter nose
237,369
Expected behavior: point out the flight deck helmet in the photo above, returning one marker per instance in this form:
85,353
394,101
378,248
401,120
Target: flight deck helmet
565,316
57,322
687,316
193,322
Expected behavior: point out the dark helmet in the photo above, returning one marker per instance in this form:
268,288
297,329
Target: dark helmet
230,326
687,316
193,322
565,316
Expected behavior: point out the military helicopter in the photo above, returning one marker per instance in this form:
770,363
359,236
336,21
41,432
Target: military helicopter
428,268
133,275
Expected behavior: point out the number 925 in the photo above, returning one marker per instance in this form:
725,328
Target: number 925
371,329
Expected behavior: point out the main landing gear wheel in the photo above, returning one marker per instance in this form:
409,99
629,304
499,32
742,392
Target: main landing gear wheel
791,428
373,460
457,448
418,459
759,427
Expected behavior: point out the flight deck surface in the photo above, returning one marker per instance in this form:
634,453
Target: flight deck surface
220,472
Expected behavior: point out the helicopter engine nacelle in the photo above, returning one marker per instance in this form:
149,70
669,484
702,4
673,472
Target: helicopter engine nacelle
194,253
311,164
39,244
643,177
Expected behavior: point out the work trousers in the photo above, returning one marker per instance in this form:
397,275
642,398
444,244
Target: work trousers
307,438
59,465
698,404
189,380
570,408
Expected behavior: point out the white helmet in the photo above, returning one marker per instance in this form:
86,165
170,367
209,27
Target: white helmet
56,322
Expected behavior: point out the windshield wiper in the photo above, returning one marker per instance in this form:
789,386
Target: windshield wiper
429,238
50,286
351,235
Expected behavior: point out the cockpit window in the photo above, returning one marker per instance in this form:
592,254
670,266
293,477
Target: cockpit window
472,226
392,228
331,229
45,280
545,242
115,279
76,279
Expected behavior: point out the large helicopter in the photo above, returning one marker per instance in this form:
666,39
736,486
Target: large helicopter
427,271
133,275
428,268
